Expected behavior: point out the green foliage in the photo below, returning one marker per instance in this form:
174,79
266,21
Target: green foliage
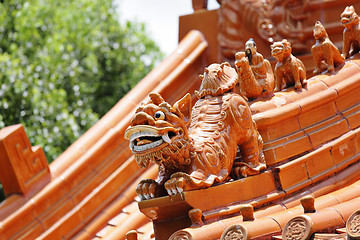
65,63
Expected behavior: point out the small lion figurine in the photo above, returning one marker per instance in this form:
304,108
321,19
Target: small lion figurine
351,35
324,51
289,70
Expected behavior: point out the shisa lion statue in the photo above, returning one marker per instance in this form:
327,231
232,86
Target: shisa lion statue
351,35
289,70
196,148
324,51
256,77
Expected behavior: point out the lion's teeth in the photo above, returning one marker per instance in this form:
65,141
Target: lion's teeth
131,145
147,146
142,133
166,138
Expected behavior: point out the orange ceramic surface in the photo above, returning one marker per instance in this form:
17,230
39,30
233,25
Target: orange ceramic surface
320,162
263,182
293,145
112,210
344,148
287,177
312,87
357,140
271,127
338,181
321,133
331,200
316,115
135,220
352,116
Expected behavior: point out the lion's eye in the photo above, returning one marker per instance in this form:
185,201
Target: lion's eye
159,115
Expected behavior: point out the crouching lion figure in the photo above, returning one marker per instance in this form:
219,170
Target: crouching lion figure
195,149
289,70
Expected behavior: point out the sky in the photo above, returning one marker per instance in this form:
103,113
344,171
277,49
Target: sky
161,18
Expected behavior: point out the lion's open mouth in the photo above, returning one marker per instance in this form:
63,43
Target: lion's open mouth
143,138
345,20
276,51
142,141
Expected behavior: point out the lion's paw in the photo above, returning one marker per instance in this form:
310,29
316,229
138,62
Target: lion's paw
298,86
148,189
178,183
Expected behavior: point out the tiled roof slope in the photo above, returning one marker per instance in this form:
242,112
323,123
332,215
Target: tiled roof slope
317,129
95,177
322,123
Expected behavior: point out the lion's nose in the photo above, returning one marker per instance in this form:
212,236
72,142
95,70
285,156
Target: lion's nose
142,118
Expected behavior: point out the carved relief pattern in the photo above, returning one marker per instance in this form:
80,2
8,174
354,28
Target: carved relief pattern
33,161
272,19
181,235
234,232
296,229
353,225
27,164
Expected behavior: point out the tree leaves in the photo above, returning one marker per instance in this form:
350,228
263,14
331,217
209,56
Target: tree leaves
64,63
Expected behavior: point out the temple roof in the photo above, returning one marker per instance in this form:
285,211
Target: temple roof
311,146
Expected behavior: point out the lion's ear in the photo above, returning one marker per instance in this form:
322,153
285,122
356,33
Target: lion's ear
286,43
156,98
184,106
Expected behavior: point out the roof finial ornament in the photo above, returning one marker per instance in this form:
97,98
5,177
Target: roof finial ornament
247,211
195,216
132,235
308,203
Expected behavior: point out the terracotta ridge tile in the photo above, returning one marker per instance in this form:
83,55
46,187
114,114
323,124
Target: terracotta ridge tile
329,218
85,208
134,221
328,198
280,219
119,203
